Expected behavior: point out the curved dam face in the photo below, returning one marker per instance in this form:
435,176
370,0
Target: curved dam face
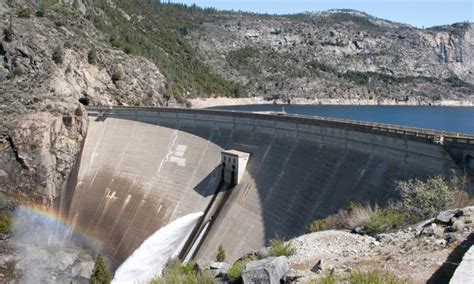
142,168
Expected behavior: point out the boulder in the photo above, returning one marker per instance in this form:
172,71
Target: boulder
444,217
219,268
318,267
447,216
268,271
433,230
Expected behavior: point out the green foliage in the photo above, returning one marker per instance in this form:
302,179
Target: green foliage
5,224
117,74
100,275
383,221
220,254
235,271
3,201
353,206
317,225
422,200
330,278
78,111
58,55
357,277
160,38
279,248
23,12
175,272
92,56
17,71
375,277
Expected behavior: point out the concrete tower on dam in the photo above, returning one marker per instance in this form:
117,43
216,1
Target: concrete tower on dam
142,168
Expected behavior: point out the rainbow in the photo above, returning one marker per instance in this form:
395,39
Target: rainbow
43,217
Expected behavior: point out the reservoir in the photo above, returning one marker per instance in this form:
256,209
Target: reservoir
451,119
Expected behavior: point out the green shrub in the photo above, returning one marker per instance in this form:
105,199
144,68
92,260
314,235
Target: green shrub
78,111
220,254
117,74
422,200
375,277
280,248
383,221
317,225
175,272
23,12
5,224
100,275
235,272
92,56
3,201
353,206
330,278
58,55
17,71
357,277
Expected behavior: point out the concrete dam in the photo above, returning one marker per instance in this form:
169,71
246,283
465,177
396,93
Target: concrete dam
142,168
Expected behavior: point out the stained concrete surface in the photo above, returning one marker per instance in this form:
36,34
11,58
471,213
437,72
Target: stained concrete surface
464,274
140,169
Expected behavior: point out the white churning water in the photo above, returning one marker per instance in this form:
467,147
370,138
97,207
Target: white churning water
149,259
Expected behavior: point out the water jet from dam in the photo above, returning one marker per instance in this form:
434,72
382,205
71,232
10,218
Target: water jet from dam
149,259
143,168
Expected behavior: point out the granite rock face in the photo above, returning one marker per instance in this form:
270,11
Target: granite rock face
49,69
269,270
341,55
40,154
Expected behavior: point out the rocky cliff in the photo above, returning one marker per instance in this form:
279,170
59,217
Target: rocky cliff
340,55
53,62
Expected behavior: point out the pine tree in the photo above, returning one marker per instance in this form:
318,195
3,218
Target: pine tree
100,275
220,254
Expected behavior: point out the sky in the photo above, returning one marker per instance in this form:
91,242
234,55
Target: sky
418,13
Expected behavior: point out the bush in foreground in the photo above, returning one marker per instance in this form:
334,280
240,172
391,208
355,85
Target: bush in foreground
383,221
235,271
280,248
100,274
176,272
422,200
358,277
419,200
5,224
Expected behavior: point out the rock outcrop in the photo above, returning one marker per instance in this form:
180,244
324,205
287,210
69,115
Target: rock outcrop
51,65
269,270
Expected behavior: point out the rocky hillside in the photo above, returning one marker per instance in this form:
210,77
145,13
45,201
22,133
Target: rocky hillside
54,59
427,252
340,55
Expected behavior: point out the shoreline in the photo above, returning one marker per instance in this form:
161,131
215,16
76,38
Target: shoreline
223,101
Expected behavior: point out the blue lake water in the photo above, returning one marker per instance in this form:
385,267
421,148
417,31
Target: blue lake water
452,119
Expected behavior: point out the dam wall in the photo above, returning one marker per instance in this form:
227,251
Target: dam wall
144,167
